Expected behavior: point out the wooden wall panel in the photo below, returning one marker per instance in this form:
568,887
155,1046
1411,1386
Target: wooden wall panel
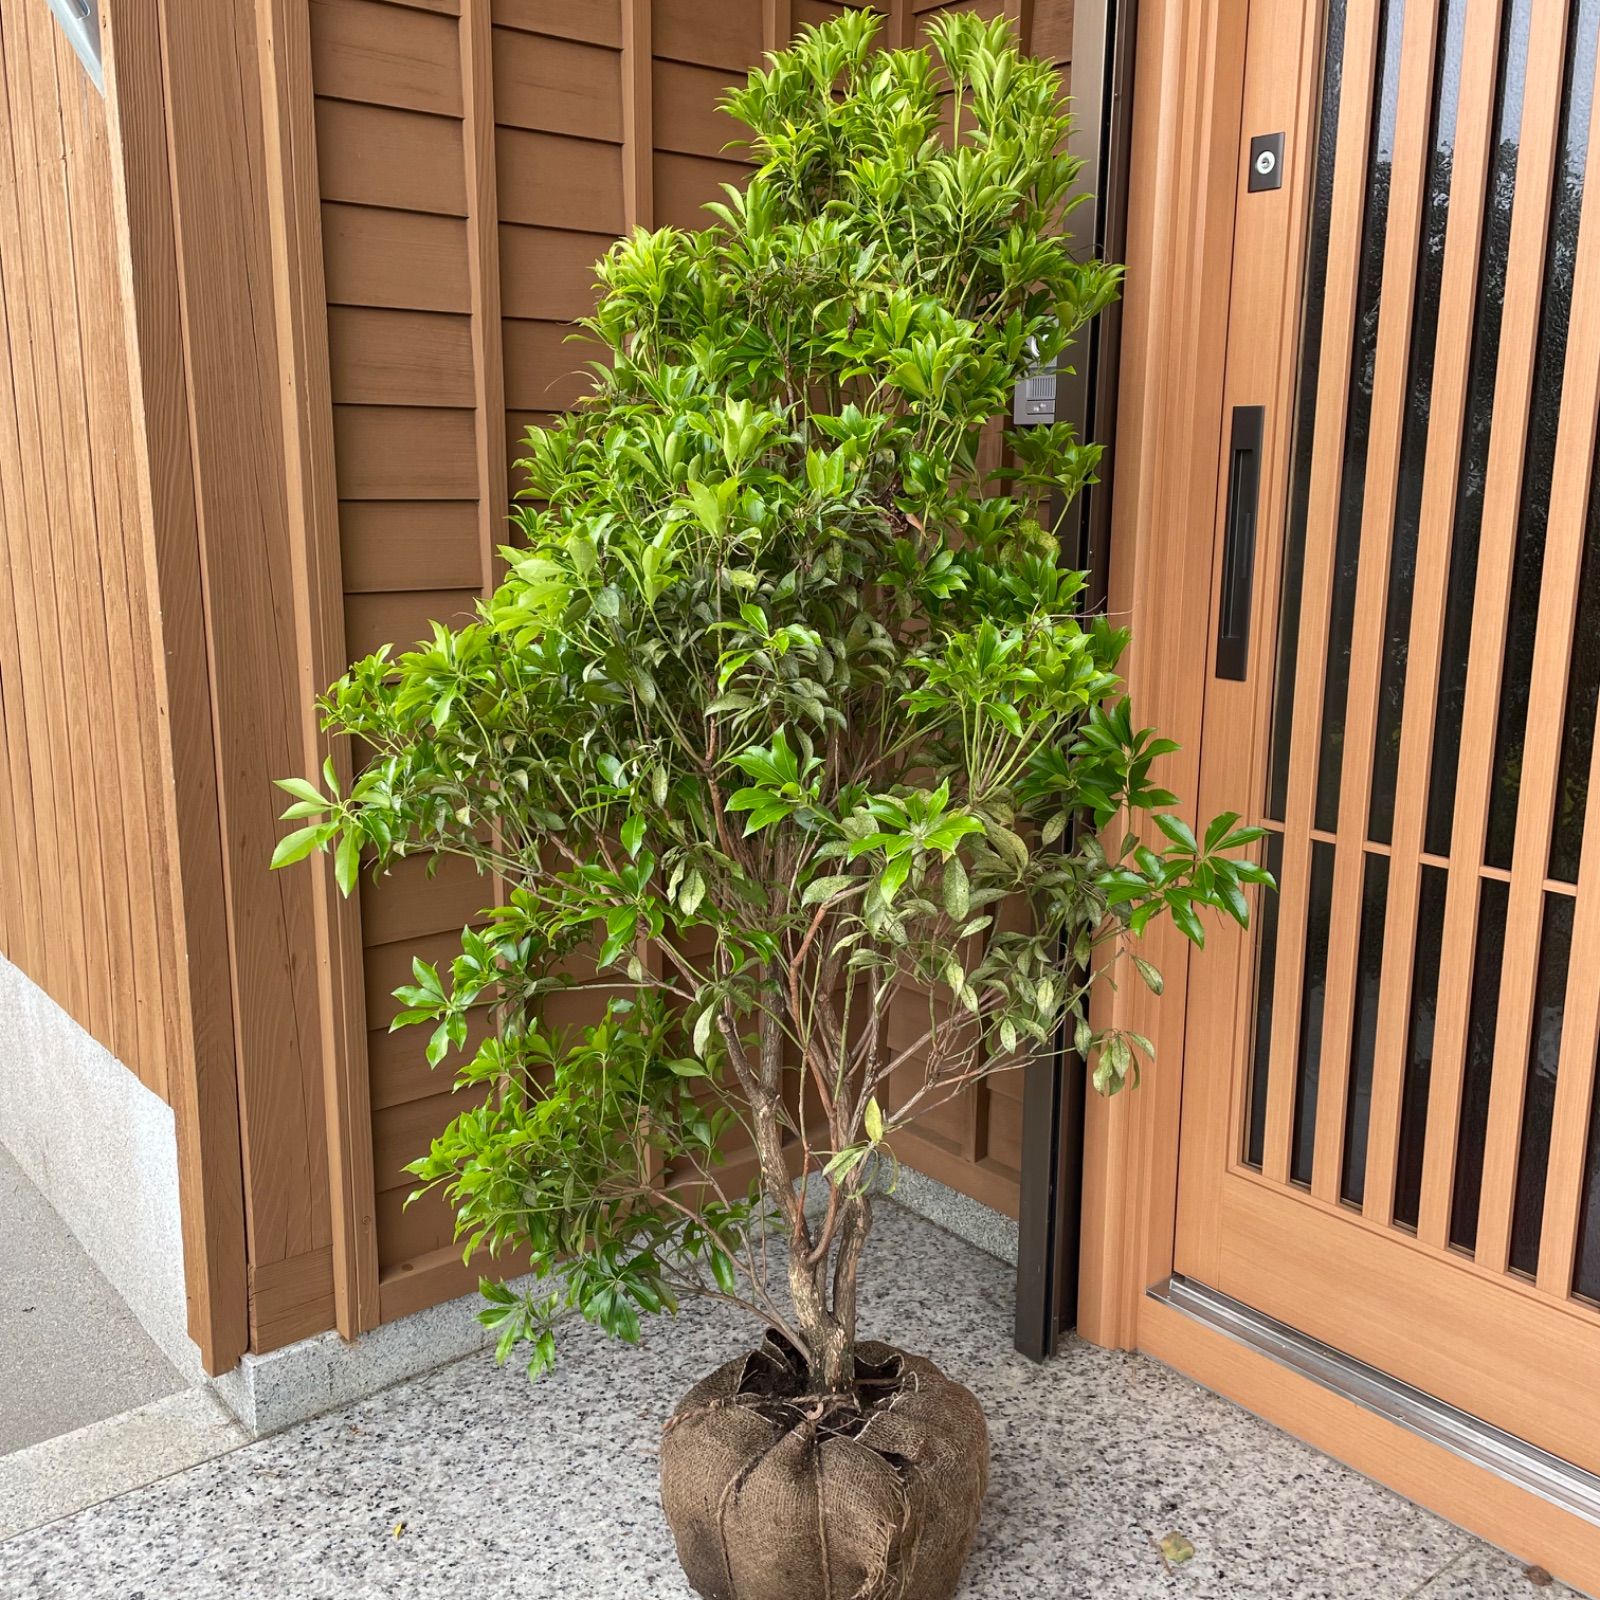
392,258
377,55
378,156
709,33
474,162
182,785
557,85
553,181
231,258
86,887
406,163
548,273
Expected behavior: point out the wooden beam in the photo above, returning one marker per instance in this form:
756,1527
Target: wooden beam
638,116
216,157
777,24
202,1082
300,294
1189,83
483,272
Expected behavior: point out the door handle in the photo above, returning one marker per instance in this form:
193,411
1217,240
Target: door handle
1239,542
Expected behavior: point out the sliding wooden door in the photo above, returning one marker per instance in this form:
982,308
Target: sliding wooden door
1390,1136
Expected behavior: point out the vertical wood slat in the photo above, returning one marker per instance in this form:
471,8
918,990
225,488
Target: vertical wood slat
1019,13
28,520
234,416
87,422
638,116
483,272
777,24
21,929
57,395
28,931
83,988
1473,147
1554,640
1496,555
1407,194
164,1009
1333,383
136,981
109,428
202,1082
306,395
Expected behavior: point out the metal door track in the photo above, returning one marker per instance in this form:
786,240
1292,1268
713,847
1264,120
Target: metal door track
1526,1465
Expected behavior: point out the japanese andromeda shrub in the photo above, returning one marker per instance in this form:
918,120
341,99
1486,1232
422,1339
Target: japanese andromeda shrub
784,715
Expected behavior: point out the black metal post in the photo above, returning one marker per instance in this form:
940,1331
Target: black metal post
1053,1090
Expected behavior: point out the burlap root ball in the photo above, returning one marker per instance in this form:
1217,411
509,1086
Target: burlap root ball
774,1495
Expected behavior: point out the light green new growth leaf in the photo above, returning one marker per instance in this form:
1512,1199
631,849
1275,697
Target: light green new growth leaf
872,1121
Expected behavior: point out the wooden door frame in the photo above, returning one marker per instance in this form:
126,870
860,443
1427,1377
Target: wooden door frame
1188,84
1185,177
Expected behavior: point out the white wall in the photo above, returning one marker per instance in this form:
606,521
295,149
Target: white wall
103,1150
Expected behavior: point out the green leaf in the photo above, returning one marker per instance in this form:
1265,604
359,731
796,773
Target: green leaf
347,863
820,889
296,846
893,876
1177,830
632,833
701,1038
843,1162
302,790
957,890
1154,982
1234,903
872,1120
692,892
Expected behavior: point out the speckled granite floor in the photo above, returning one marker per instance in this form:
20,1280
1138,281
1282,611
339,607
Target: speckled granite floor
469,1482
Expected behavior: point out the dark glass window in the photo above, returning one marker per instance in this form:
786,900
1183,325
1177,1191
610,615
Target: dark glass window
1583,699
1414,433
1358,417
1479,1070
1561,250
1305,416
1364,1029
1266,979
1419,1046
1539,1098
1586,1280
1313,993
1481,374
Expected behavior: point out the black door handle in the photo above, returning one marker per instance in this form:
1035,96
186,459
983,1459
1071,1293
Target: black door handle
1239,542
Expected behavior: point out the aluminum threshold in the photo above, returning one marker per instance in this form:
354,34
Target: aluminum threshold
1560,1482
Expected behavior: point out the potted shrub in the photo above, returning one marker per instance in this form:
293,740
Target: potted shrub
784,715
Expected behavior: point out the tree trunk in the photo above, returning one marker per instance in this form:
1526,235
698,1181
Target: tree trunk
830,1332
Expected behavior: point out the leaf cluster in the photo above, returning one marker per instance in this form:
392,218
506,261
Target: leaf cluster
785,714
